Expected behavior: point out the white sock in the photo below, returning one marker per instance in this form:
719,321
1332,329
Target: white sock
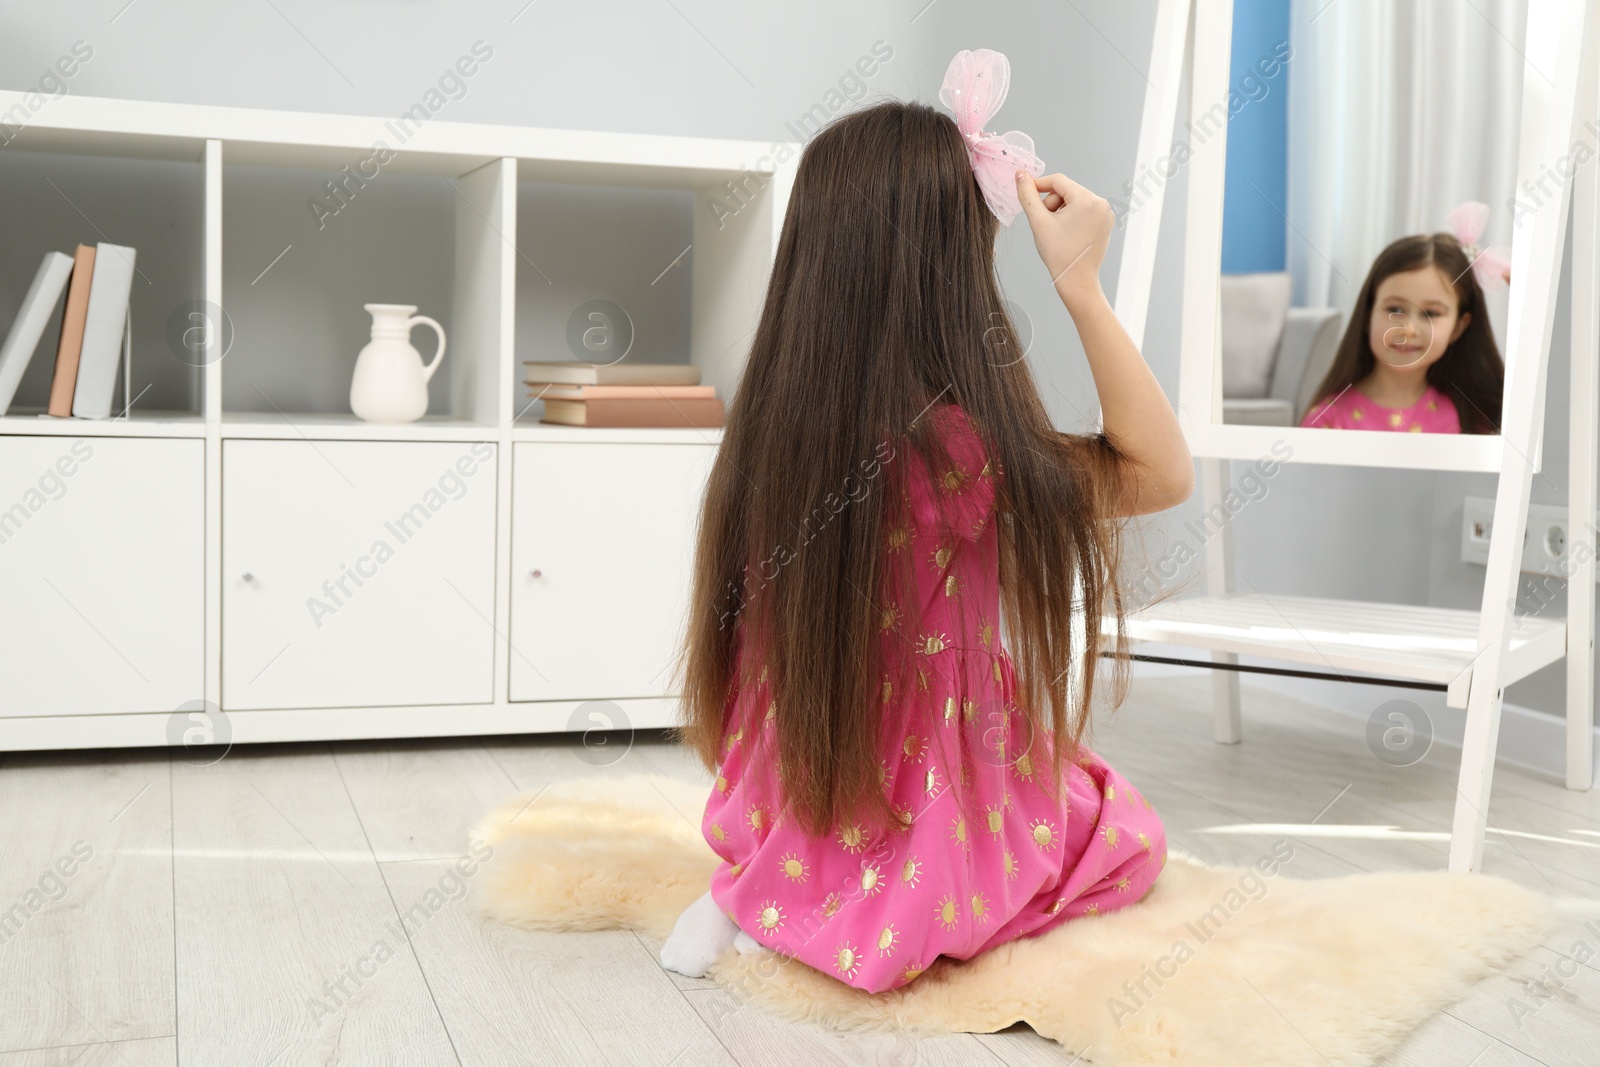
701,935
745,943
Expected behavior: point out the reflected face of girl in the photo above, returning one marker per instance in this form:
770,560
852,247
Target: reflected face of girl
1414,319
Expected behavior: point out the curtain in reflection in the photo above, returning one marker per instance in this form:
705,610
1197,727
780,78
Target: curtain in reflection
1398,111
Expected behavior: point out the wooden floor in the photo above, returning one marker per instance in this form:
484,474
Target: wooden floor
248,912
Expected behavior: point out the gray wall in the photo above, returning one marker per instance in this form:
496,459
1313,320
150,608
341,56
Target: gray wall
746,70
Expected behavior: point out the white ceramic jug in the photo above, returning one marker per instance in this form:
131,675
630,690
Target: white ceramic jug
390,383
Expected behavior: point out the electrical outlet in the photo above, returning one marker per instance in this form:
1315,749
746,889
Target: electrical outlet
1477,517
1544,543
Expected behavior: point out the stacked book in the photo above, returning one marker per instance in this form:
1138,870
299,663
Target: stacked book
97,281
576,393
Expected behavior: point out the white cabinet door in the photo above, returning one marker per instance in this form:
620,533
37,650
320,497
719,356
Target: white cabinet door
357,573
102,556
602,545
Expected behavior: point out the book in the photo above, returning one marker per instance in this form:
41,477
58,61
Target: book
28,326
577,372
65,380
102,332
695,412
595,392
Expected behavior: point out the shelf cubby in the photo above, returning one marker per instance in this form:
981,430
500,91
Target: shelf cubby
604,274
661,262
143,193
299,262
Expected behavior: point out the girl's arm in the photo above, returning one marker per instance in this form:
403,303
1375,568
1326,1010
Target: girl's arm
1071,228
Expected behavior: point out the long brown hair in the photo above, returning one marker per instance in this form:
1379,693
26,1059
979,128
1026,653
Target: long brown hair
882,302
1471,372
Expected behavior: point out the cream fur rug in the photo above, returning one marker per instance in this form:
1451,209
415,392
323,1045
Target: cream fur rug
1333,971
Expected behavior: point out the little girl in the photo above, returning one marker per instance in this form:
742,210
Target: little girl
890,786
1418,355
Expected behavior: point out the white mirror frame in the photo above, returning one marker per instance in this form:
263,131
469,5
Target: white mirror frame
1552,45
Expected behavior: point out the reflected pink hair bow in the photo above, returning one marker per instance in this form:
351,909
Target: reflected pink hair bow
1491,264
975,85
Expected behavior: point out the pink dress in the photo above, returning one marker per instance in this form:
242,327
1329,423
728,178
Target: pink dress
1352,410
875,909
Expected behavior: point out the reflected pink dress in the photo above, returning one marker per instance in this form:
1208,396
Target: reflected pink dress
1352,410
874,909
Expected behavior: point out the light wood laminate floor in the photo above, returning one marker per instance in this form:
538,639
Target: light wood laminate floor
249,911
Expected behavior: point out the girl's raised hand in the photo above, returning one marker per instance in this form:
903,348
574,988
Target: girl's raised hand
1071,229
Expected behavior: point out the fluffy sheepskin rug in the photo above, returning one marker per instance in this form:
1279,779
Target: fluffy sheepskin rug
1216,966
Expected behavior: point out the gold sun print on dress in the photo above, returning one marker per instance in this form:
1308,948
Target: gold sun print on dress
930,781
910,872
911,972
899,538
1044,834
846,960
758,818
947,913
831,905
794,868
958,832
770,920
941,557
980,909
871,880
887,940
852,837
913,749
950,709
1009,864
889,618
932,644
996,818
1109,832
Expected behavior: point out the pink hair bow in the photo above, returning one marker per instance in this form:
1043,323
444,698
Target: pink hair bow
975,85
1491,264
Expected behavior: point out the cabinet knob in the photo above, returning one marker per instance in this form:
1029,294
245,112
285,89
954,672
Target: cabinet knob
247,576
536,573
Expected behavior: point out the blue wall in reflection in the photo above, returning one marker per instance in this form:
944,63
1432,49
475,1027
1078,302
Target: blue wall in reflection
1253,228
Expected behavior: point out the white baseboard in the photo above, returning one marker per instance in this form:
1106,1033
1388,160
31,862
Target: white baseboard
1531,740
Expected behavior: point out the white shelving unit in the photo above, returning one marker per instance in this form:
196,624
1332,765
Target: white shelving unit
214,571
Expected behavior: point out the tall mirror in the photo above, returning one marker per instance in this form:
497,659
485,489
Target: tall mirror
1369,202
